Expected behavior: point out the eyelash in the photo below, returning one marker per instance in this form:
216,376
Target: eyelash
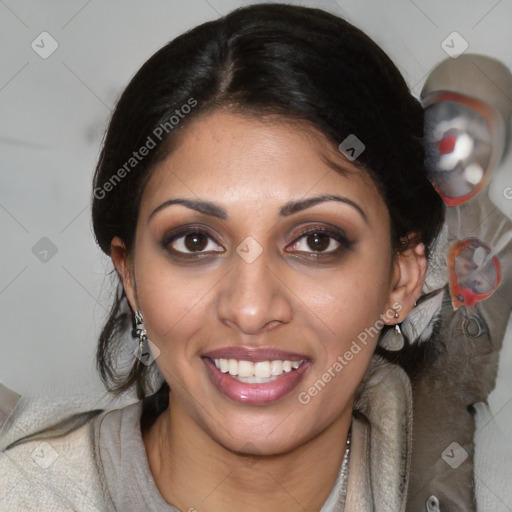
336,234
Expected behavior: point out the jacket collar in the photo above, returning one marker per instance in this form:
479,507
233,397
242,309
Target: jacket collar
378,473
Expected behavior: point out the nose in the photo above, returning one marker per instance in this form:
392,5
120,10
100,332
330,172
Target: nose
252,298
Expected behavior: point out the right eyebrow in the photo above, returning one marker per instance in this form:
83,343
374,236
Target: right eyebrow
205,207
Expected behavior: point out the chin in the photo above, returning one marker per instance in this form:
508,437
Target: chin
261,436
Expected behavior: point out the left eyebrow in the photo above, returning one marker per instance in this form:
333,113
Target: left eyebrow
289,208
297,206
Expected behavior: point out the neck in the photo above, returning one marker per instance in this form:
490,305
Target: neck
194,472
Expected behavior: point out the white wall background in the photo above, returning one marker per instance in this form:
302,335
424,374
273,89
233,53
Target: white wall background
52,115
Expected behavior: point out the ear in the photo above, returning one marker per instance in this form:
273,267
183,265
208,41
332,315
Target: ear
124,268
410,268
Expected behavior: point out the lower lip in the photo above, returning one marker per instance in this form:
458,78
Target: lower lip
254,394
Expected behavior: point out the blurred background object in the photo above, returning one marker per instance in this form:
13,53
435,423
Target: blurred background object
468,115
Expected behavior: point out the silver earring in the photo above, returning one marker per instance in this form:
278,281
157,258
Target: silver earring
139,331
393,339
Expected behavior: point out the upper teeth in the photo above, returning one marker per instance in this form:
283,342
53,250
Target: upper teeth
260,369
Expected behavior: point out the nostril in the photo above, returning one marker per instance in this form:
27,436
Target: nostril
272,325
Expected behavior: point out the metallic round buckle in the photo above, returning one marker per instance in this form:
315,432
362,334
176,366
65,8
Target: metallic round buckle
472,326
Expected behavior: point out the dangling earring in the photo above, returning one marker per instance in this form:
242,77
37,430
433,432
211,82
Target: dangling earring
142,352
393,339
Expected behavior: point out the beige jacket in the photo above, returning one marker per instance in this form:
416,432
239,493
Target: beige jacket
377,475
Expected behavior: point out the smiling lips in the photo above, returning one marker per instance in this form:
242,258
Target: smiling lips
255,376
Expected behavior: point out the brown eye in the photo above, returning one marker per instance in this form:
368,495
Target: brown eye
195,241
318,241
190,242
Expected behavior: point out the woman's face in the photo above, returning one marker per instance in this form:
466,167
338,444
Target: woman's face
251,286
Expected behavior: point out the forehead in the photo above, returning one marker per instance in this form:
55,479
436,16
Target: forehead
256,163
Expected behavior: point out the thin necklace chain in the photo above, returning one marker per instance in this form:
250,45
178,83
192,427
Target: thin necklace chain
344,474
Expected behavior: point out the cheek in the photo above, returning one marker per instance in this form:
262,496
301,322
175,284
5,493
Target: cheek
349,307
352,297
173,301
